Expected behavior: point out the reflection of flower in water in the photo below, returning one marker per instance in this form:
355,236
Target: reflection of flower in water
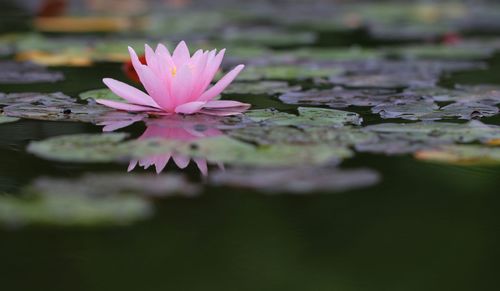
174,127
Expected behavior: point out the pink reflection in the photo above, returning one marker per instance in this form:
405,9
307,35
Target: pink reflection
173,127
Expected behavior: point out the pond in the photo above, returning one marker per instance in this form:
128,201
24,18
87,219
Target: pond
368,160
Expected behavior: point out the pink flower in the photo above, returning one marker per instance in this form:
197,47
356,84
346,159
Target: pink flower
177,83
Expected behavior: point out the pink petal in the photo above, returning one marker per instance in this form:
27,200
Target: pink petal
190,108
125,106
181,161
132,165
151,59
181,54
182,85
202,165
212,66
219,104
129,93
221,85
156,89
161,163
220,112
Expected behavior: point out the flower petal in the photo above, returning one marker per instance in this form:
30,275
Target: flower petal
181,54
221,85
181,161
190,108
220,104
129,93
125,106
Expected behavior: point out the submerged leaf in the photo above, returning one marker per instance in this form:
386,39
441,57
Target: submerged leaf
69,209
300,180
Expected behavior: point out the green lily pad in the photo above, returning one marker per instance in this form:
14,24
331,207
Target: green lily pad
42,99
80,147
485,94
7,119
431,111
332,54
300,180
308,116
105,94
339,97
388,81
260,88
269,135
267,36
287,72
88,148
69,209
108,184
441,52
462,155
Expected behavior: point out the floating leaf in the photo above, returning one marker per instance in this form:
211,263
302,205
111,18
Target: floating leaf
332,54
431,111
105,94
300,180
389,81
267,36
308,116
70,209
462,155
441,52
107,184
7,119
80,147
286,72
339,97
485,94
268,135
260,88
58,112
42,99
111,147
25,73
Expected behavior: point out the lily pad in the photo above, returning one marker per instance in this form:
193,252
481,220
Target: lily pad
42,99
462,155
267,36
26,73
260,88
485,94
105,94
58,112
108,184
340,97
88,148
388,81
431,111
300,180
69,209
308,116
7,119
287,72
441,52
332,54
269,135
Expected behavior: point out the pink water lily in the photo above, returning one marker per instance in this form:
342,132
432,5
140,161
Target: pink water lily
177,83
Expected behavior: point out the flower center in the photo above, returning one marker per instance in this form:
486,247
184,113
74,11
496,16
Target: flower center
173,71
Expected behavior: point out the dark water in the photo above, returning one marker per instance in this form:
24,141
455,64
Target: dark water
424,227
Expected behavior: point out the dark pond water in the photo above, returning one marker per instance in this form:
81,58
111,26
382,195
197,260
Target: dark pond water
424,226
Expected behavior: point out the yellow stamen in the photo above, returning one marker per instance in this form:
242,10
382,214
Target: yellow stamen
173,71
